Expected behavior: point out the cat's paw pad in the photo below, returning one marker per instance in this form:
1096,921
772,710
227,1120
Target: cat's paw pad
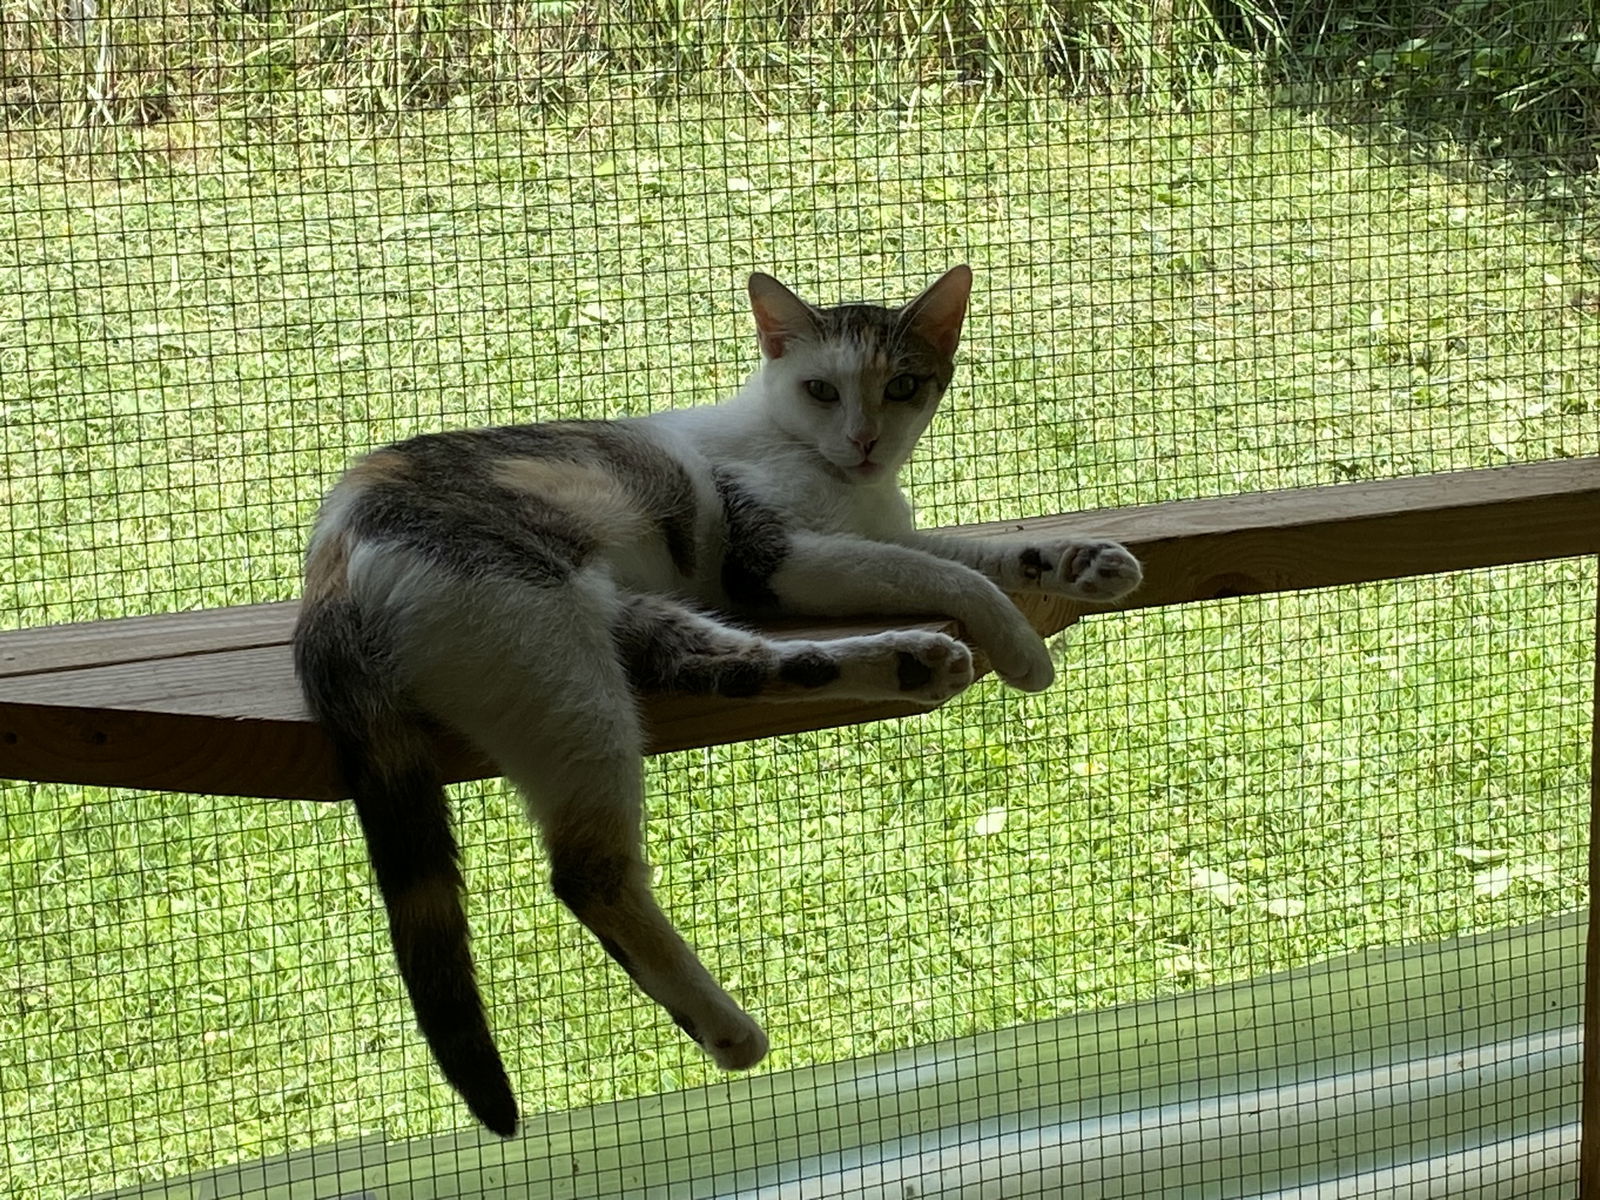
1102,571
734,1042
931,666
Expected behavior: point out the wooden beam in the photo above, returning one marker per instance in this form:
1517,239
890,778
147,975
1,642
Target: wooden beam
206,701
1589,1146
143,639
231,722
1347,533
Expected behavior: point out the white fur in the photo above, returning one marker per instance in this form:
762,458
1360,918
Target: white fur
857,550
789,454
530,672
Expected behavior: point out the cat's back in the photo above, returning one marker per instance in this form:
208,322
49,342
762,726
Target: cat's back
530,502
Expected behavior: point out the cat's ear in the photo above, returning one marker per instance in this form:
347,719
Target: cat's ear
937,314
780,314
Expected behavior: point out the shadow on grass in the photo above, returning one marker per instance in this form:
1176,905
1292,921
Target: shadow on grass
1507,94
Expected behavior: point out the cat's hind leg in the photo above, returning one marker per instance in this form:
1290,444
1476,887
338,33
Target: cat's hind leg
667,646
590,815
547,699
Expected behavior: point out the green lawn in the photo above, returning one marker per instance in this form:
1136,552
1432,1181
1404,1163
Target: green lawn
192,344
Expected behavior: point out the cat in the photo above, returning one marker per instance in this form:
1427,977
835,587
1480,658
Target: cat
523,585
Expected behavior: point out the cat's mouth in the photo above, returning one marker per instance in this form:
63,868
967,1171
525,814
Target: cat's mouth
860,471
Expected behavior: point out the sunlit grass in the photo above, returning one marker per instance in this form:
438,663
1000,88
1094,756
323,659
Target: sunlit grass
1222,301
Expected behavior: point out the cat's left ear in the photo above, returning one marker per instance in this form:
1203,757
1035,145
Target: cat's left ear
780,314
937,314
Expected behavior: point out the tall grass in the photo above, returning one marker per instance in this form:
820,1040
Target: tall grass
96,63
1517,82
1514,82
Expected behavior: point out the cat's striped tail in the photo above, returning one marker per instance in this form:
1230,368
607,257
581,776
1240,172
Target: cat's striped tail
388,764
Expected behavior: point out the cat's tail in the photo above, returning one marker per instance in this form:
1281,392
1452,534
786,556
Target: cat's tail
389,767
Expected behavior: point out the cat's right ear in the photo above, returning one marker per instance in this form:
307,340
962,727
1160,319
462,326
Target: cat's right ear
937,313
780,315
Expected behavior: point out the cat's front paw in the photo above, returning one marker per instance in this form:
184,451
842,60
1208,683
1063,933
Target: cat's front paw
1096,570
903,664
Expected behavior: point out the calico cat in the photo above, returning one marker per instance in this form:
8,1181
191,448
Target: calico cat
523,585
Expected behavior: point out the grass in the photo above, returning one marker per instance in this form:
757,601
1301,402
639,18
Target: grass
199,330
1518,83
137,62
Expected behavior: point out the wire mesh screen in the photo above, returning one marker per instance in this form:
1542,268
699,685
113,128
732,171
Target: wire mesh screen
1218,250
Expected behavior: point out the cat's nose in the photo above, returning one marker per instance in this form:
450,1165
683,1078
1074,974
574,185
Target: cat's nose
864,443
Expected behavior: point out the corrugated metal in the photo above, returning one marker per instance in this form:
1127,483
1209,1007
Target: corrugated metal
1438,1071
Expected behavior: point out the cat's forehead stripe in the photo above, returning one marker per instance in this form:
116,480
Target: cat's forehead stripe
882,341
872,335
850,356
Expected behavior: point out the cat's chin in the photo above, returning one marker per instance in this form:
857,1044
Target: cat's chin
858,472
868,472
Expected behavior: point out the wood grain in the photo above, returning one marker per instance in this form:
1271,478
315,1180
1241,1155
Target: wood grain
231,723
138,639
1589,1146
206,701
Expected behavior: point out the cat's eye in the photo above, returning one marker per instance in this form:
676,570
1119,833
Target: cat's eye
821,389
902,387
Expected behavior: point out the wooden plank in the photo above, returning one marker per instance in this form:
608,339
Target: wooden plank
140,639
1347,533
214,707
1589,1147
1277,541
1273,541
257,683
233,723
167,752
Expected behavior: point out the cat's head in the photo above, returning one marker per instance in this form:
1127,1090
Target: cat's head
858,383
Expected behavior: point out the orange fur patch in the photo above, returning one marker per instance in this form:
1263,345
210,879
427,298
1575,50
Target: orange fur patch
328,561
327,568
382,466
588,493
